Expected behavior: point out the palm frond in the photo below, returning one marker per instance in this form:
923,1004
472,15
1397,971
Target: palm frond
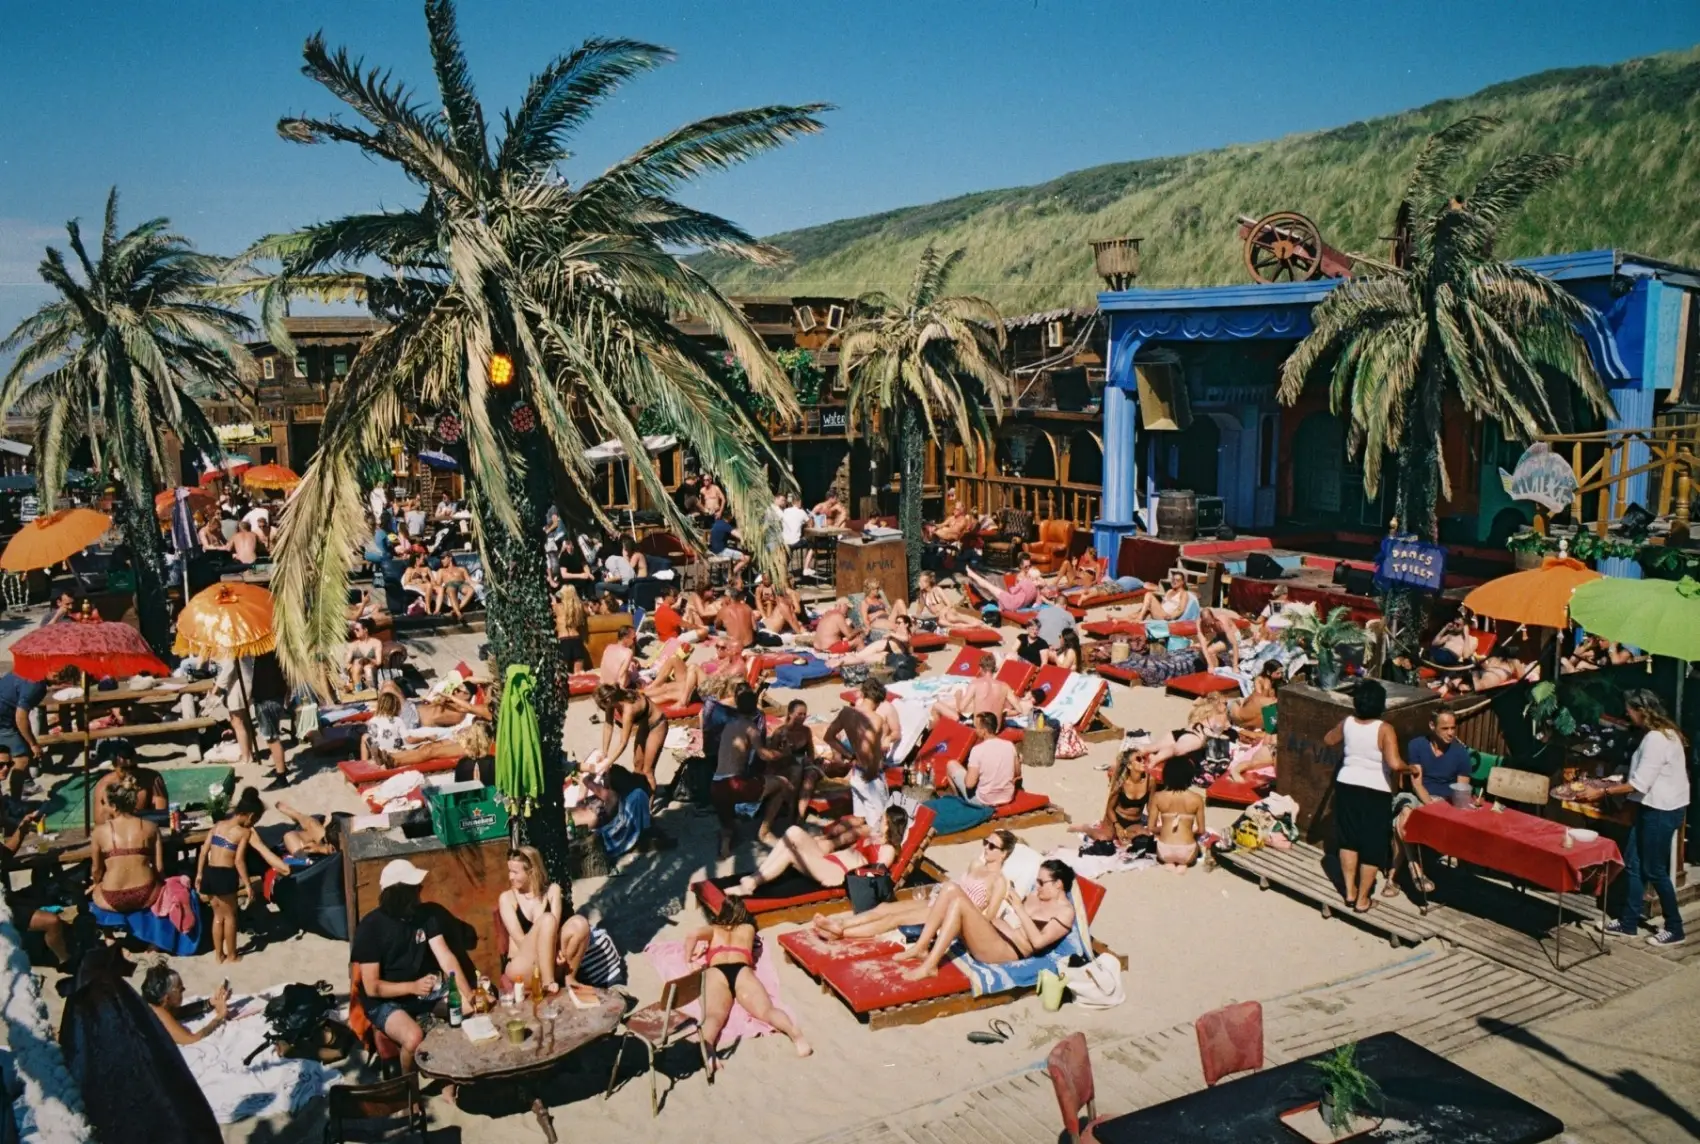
563,94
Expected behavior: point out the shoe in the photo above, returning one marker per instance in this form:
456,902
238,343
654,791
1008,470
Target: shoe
278,782
1615,928
1665,938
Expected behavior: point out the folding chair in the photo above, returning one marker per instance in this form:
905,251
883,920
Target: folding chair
384,1101
1070,1068
655,1025
1230,1040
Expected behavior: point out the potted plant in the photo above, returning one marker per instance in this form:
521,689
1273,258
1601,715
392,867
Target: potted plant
1347,1091
1528,547
1321,639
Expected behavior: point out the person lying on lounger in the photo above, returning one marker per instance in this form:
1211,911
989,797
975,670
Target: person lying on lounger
472,743
1173,602
984,884
933,602
816,857
727,947
886,649
1025,927
834,627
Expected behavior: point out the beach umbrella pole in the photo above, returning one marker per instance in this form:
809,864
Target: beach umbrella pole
88,770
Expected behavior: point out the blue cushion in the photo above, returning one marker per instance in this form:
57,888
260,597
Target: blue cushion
953,814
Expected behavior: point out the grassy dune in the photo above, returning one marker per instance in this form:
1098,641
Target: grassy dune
1634,125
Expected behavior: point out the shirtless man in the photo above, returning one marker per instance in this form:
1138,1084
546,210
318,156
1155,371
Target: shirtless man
712,500
957,524
741,744
244,544
834,627
211,534
985,694
454,588
617,668
859,736
829,513
738,620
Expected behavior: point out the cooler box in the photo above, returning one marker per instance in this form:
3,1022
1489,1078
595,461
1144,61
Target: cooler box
466,812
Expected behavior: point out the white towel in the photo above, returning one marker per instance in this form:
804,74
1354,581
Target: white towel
269,1086
1074,698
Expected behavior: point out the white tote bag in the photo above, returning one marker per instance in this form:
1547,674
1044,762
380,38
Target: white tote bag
1098,983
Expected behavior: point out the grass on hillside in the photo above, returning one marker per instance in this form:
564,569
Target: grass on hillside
1633,125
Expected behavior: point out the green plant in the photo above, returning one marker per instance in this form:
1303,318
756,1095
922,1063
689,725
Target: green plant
1529,542
1590,546
1320,636
805,373
1548,713
1347,1090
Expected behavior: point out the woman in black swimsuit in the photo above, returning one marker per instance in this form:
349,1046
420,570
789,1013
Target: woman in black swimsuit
641,724
728,945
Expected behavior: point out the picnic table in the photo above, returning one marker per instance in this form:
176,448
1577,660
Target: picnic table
1426,1099
447,1055
167,691
1520,845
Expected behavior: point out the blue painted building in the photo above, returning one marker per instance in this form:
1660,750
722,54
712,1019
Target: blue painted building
1189,399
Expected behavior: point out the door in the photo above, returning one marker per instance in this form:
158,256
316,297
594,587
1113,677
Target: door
1319,455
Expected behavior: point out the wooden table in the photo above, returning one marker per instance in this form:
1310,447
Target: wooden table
155,694
446,1054
885,561
1426,1099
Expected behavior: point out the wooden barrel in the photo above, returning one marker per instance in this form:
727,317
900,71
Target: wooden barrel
1177,515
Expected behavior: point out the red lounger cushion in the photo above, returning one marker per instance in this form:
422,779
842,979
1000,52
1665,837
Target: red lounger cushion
1018,619
966,663
1017,674
1121,674
1200,683
583,683
949,742
1227,790
688,711
928,641
1023,802
1106,600
977,636
364,772
1050,680
1106,628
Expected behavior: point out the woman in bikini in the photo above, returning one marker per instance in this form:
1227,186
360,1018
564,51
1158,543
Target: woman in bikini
875,607
1178,812
1124,810
1023,927
881,650
419,581
223,869
364,651
532,913
678,682
1207,719
727,947
572,629
641,724
821,861
984,885
1081,573
472,743
313,836
127,855
1067,652
932,602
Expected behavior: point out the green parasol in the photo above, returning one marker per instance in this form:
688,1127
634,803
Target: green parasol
519,748
1661,617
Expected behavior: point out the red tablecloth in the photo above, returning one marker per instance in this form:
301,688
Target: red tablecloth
1513,843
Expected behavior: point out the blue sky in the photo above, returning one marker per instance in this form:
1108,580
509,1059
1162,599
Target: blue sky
176,102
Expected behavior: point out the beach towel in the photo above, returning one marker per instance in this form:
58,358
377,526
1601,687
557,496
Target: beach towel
156,931
667,958
173,903
1074,698
793,674
519,749
955,814
912,717
270,1086
926,690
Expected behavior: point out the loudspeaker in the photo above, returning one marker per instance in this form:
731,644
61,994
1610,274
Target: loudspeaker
1069,390
1360,582
1163,403
1210,514
1635,522
1262,566
1340,569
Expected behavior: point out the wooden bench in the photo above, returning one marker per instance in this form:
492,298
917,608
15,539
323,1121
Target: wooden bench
180,727
121,696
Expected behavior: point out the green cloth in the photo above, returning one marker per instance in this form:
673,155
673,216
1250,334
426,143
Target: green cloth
519,747
185,786
1661,617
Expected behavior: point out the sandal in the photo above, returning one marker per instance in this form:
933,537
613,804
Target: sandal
997,1032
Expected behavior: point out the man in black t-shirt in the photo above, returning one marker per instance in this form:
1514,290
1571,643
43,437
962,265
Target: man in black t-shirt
395,950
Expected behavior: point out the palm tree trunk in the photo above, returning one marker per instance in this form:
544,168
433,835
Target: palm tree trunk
911,451
140,528
1416,501
521,629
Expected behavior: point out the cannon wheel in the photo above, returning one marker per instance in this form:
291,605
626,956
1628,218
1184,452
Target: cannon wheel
1284,247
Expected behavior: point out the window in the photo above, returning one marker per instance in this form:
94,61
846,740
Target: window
339,365
300,367
268,367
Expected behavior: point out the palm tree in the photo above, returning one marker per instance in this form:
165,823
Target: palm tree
911,362
116,361
1451,318
521,311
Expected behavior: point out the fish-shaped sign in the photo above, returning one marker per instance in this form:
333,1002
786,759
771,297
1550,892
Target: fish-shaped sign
1541,476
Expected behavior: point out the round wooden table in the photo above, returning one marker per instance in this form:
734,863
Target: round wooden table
447,1055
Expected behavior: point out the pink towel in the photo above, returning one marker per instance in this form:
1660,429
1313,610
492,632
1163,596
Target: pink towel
174,904
667,958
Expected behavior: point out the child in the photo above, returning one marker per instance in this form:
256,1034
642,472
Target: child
223,870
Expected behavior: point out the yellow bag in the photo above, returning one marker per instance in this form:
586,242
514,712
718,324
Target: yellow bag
1246,835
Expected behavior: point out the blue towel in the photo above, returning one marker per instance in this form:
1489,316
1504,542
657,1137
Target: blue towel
1004,976
622,831
954,814
156,931
800,675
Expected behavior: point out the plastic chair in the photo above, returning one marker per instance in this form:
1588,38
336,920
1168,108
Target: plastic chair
655,1025
379,1047
1230,1040
383,1101
1070,1068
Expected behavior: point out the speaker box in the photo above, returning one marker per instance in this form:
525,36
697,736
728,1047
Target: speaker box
1262,566
1163,403
1360,581
1069,390
1210,514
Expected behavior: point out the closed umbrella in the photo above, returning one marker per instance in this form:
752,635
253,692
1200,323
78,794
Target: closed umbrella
519,746
1539,597
96,649
1661,617
48,540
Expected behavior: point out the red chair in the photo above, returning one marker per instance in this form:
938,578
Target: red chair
1230,1040
1070,1066
378,1047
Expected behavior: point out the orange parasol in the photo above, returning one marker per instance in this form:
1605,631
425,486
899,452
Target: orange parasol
199,501
1539,597
270,477
226,621
47,540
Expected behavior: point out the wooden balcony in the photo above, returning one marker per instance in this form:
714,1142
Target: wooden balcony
1046,499
1605,461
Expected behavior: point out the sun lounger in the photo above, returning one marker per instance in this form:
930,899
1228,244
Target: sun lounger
922,642
949,742
1225,790
864,975
1049,682
1028,808
795,897
1017,674
1199,684
979,636
966,664
365,772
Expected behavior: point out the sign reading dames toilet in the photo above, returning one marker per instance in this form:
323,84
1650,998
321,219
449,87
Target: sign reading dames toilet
1412,562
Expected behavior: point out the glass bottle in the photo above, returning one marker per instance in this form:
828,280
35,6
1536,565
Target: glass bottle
454,1003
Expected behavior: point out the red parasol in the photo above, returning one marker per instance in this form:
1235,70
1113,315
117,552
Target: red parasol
199,501
102,650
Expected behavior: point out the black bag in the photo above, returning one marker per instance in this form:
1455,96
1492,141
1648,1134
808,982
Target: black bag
869,886
296,1015
903,667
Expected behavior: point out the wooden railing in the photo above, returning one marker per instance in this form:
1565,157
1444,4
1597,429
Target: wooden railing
1045,499
1602,463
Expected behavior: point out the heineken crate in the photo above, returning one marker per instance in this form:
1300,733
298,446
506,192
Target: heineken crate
466,812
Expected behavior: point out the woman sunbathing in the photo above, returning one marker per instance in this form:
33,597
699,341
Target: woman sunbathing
472,743
800,850
313,835
727,946
934,603
984,885
1023,928
1081,573
876,609
1207,719
1124,811
896,643
1178,811
1248,712
677,681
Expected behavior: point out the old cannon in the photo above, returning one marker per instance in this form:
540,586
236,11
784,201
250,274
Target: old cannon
1287,247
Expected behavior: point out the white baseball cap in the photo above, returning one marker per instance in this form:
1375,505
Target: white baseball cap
400,872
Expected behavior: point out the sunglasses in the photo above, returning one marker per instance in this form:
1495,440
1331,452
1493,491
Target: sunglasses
992,846
1045,881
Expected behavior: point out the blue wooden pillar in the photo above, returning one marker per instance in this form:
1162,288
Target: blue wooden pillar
1121,488
1634,411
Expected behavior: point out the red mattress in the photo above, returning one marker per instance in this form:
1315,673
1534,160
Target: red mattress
1199,683
688,711
1120,674
583,683
364,772
1105,601
1024,802
977,636
928,641
966,663
948,743
1050,679
1017,674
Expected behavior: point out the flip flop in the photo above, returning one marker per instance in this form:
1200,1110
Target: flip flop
998,1032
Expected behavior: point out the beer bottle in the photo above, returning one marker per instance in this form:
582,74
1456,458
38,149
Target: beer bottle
454,1003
